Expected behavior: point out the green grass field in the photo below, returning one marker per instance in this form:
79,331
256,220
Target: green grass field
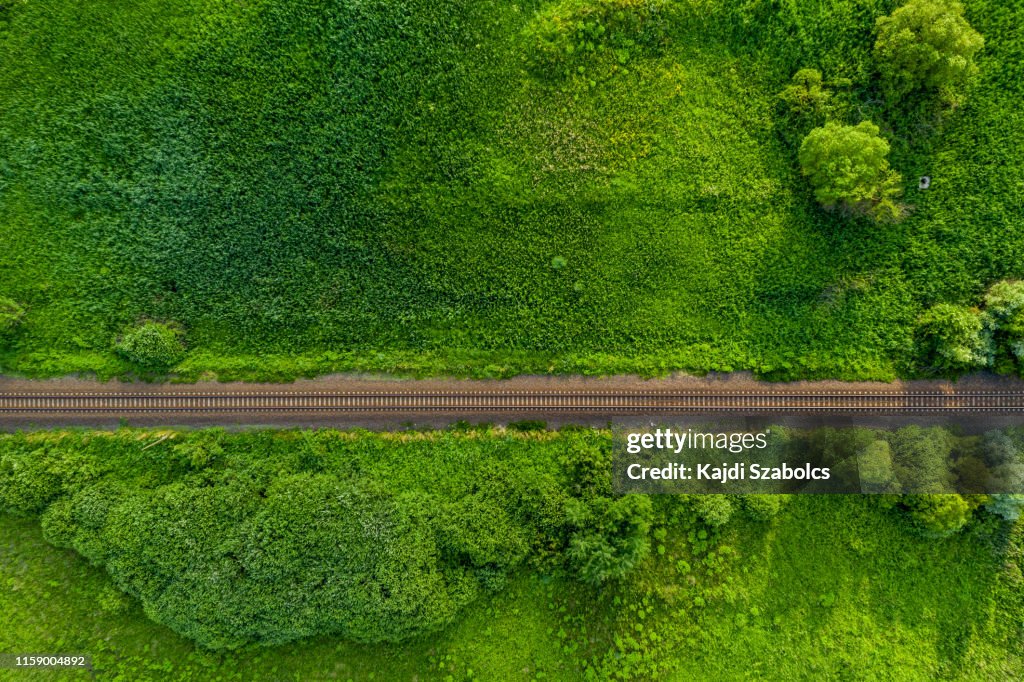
830,587
832,590
396,187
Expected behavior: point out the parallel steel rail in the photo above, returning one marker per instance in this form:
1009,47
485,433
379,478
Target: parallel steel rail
612,402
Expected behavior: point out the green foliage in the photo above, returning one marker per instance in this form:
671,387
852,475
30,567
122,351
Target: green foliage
806,95
1005,301
265,538
152,345
1006,505
384,537
566,35
610,537
397,201
830,565
714,510
1004,307
11,317
922,458
954,337
927,44
875,468
848,166
478,532
938,515
762,507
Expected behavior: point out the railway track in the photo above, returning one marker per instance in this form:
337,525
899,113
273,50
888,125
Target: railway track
597,402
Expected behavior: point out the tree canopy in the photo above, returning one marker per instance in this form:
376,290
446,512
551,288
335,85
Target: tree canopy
848,166
955,336
927,44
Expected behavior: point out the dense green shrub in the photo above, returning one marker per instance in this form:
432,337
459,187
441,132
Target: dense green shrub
1004,306
227,562
265,537
927,44
762,507
806,95
922,459
714,510
848,166
954,337
152,346
563,36
1006,505
478,532
11,317
938,515
875,468
34,474
610,537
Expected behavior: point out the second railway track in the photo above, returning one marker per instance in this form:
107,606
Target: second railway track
597,402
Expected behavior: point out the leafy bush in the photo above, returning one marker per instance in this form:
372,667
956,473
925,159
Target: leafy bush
714,510
805,95
954,337
565,34
927,44
232,539
477,532
938,515
33,475
762,507
152,345
922,459
11,317
1007,506
875,468
1004,306
611,536
226,563
848,166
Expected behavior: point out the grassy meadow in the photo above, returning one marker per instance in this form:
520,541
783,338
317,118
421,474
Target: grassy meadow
176,555
832,590
420,188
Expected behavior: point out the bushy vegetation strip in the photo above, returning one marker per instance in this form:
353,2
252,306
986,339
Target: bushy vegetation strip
236,539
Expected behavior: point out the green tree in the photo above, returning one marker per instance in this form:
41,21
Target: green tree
1008,506
875,468
927,44
152,346
229,560
848,166
955,337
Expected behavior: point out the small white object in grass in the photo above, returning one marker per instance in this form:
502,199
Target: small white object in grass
925,182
